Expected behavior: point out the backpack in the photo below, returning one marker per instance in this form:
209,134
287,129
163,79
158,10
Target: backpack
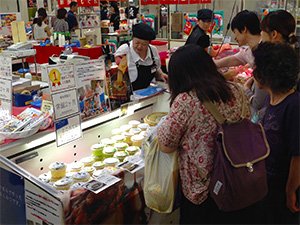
239,175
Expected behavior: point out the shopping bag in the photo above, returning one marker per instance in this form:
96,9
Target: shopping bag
160,176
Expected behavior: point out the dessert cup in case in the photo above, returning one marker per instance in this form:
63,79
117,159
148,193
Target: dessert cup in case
109,152
143,126
118,138
111,161
89,170
121,155
121,146
98,165
137,140
107,142
63,184
97,149
75,166
87,161
128,136
81,177
58,170
134,123
135,131
116,131
131,150
126,127
78,184
45,177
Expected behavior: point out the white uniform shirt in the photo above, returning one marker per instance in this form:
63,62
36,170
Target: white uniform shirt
39,31
133,57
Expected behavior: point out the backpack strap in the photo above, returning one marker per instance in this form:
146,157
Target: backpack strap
218,116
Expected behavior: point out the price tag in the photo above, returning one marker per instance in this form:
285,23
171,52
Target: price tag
90,70
46,103
227,40
102,182
65,104
68,130
133,164
5,68
61,77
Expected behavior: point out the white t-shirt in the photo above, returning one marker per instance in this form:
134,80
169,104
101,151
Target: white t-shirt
133,57
39,31
245,56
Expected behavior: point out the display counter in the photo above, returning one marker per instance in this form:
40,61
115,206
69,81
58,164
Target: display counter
43,53
26,159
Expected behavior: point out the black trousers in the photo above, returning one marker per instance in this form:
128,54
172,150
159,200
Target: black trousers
208,213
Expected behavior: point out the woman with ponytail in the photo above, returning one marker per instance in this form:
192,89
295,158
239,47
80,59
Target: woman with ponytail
41,29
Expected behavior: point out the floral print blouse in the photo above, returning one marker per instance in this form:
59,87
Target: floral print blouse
191,129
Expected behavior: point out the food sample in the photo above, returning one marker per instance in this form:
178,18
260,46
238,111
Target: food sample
121,146
58,170
137,140
97,149
87,161
81,177
131,150
63,184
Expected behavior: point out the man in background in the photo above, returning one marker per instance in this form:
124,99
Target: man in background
72,19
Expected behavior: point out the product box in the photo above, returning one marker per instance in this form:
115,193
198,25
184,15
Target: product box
177,22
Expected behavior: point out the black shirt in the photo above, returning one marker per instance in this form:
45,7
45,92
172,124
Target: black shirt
199,37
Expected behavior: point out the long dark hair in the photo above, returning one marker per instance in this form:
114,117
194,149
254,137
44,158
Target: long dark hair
192,69
42,14
281,21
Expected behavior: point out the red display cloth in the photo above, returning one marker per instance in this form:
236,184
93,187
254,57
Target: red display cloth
158,42
163,56
43,53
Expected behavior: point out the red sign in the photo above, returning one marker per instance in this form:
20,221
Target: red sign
195,1
150,2
205,1
182,2
81,3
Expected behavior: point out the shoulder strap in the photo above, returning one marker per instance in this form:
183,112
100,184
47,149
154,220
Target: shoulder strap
218,116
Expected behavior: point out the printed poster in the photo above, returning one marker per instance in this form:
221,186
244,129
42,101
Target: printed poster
112,45
189,21
7,19
266,11
61,77
217,25
148,19
90,88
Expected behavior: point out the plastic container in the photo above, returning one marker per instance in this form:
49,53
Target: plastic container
118,138
89,170
128,136
137,140
121,155
81,177
58,170
135,131
121,146
63,184
87,161
153,118
111,162
75,166
134,123
126,127
116,131
45,177
99,165
97,149
109,152
107,142
143,126
131,150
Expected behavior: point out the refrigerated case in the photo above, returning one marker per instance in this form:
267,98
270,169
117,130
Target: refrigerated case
25,159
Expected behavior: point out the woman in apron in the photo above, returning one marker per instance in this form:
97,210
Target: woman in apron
143,60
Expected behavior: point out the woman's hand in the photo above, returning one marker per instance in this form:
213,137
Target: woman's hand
164,77
248,83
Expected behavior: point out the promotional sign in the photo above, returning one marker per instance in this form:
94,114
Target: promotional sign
61,77
217,25
46,103
148,19
81,3
189,21
90,77
266,11
5,68
5,100
68,130
65,104
12,198
113,44
101,183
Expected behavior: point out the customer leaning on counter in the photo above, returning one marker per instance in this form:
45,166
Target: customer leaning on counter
142,58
